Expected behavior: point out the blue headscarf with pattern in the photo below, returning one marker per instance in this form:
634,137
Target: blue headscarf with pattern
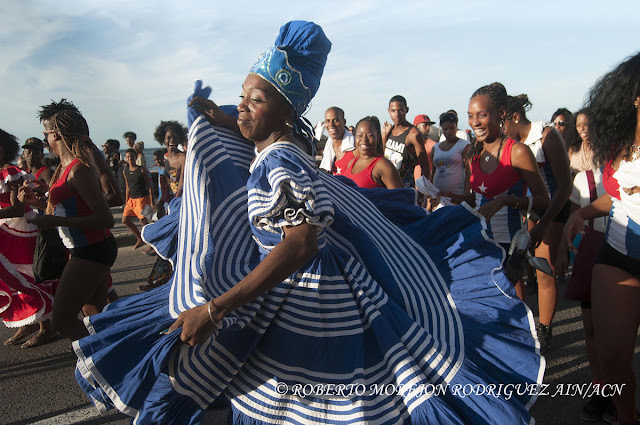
294,66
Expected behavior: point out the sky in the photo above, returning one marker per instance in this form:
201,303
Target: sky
130,64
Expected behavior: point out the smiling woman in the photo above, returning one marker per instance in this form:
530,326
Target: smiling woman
370,168
501,171
310,285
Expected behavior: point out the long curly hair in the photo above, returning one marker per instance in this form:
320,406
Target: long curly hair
9,144
571,137
164,126
74,132
613,116
498,95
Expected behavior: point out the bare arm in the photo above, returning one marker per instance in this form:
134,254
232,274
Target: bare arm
16,209
524,162
384,172
562,261
432,155
415,139
556,153
26,195
46,176
298,246
428,147
126,186
181,180
386,131
215,115
467,169
147,180
598,208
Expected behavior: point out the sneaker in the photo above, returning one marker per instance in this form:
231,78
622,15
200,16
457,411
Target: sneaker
594,408
544,336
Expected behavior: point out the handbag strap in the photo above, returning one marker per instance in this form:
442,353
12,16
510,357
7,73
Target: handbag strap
593,192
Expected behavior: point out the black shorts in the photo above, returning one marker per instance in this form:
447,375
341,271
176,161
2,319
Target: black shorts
564,213
103,252
611,257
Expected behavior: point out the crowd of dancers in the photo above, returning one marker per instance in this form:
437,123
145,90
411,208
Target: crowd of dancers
399,261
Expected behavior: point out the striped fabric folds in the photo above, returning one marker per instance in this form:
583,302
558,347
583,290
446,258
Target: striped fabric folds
213,218
374,312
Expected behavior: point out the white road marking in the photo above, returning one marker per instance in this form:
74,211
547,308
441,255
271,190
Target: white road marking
73,417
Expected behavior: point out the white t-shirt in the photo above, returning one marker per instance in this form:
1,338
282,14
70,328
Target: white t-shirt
449,168
581,197
348,144
623,233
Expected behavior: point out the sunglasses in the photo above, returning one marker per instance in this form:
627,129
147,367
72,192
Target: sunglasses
560,123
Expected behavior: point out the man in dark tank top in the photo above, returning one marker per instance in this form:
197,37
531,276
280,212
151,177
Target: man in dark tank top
403,143
139,194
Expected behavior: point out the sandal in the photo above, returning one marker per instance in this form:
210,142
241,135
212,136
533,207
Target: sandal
18,337
40,338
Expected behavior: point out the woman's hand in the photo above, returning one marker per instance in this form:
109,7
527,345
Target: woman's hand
574,225
212,112
44,221
26,195
489,209
197,327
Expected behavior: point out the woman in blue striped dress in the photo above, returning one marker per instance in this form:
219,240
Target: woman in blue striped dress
310,306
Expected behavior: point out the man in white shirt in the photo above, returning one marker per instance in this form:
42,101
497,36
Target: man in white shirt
340,139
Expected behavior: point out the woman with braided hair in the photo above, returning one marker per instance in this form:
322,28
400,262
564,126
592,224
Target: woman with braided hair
78,208
501,170
551,155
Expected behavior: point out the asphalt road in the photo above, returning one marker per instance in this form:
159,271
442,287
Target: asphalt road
37,386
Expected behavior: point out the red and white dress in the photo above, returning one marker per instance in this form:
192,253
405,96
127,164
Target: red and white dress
21,301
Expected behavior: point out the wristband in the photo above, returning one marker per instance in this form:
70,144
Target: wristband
517,206
209,310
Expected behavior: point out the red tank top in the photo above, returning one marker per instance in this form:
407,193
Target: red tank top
363,178
69,204
340,166
500,180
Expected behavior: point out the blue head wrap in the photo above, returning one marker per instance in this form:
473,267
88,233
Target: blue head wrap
295,64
